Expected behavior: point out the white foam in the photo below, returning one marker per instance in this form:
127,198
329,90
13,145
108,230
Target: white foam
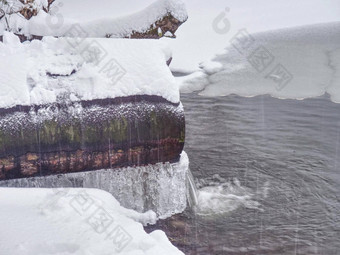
221,197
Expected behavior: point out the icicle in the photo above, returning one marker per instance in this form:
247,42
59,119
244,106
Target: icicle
159,187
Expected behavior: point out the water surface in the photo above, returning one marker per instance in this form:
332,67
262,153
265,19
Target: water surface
268,176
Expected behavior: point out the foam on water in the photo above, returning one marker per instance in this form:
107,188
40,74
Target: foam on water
223,196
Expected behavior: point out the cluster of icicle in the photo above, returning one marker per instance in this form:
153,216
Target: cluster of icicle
161,187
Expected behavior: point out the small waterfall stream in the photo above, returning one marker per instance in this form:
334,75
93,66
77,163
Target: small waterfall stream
192,192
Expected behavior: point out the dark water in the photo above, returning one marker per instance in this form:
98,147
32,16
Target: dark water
272,168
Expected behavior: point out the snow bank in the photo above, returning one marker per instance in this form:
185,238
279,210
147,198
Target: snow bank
42,72
292,63
109,18
211,25
73,221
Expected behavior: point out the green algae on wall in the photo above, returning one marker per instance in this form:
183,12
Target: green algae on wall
102,136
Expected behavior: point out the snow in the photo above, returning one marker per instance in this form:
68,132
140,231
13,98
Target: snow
206,33
74,221
12,94
309,54
168,34
203,44
198,40
90,10
42,72
107,19
193,82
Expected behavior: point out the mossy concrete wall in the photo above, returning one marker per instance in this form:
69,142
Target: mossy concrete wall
89,135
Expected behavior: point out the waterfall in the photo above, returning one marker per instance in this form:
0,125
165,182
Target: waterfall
192,193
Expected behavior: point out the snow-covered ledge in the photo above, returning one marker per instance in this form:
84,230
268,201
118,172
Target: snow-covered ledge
72,19
100,113
76,69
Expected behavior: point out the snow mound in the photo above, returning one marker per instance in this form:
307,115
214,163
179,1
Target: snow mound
74,221
47,71
211,26
294,63
96,20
